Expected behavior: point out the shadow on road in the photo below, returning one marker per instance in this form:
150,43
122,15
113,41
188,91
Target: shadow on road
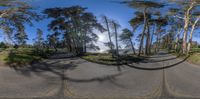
155,60
158,68
58,68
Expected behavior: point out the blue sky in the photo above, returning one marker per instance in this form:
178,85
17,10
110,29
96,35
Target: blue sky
116,11
121,13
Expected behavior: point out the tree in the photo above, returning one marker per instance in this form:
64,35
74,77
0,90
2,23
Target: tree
106,21
160,23
21,37
194,24
185,12
126,37
39,39
144,6
3,45
53,40
77,27
115,26
13,18
176,24
90,37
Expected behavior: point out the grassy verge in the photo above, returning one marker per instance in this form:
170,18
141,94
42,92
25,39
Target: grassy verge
109,60
20,56
194,56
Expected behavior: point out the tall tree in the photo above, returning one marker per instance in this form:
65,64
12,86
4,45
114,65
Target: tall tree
185,12
126,37
76,25
39,39
160,23
13,18
21,37
176,24
143,6
194,24
53,40
106,21
115,26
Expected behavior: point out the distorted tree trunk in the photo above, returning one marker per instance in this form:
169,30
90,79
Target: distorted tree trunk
109,34
116,39
186,25
143,32
191,34
132,46
148,41
177,40
156,45
85,42
152,37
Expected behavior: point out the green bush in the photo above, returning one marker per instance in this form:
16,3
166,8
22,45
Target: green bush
3,45
109,60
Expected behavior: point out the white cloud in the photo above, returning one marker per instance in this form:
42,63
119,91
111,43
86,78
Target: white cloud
102,39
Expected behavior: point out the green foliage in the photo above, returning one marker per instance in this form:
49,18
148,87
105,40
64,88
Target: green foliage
141,4
39,41
21,38
3,45
44,52
13,18
22,56
76,25
16,46
195,58
18,56
126,35
104,58
195,50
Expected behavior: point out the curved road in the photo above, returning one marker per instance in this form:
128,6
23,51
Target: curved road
161,76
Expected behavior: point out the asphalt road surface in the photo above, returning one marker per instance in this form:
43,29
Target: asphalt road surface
161,76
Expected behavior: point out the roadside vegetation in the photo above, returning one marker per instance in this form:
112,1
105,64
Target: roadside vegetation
75,29
193,56
104,58
21,56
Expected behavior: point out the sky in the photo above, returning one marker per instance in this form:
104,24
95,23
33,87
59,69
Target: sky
119,12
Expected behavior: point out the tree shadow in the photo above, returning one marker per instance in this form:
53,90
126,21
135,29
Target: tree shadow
39,67
62,56
58,69
153,61
157,56
158,68
99,79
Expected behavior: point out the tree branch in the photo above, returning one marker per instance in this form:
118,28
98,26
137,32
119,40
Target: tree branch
179,17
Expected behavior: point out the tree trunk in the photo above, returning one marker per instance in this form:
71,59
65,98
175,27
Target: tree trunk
116,39
191,34
152,37
148,41
177,40
109,34
132,47
186,25
143,32
156,46
184,46
85,43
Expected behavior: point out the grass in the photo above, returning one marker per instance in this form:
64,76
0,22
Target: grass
195,50
194,56
104,58
18,56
